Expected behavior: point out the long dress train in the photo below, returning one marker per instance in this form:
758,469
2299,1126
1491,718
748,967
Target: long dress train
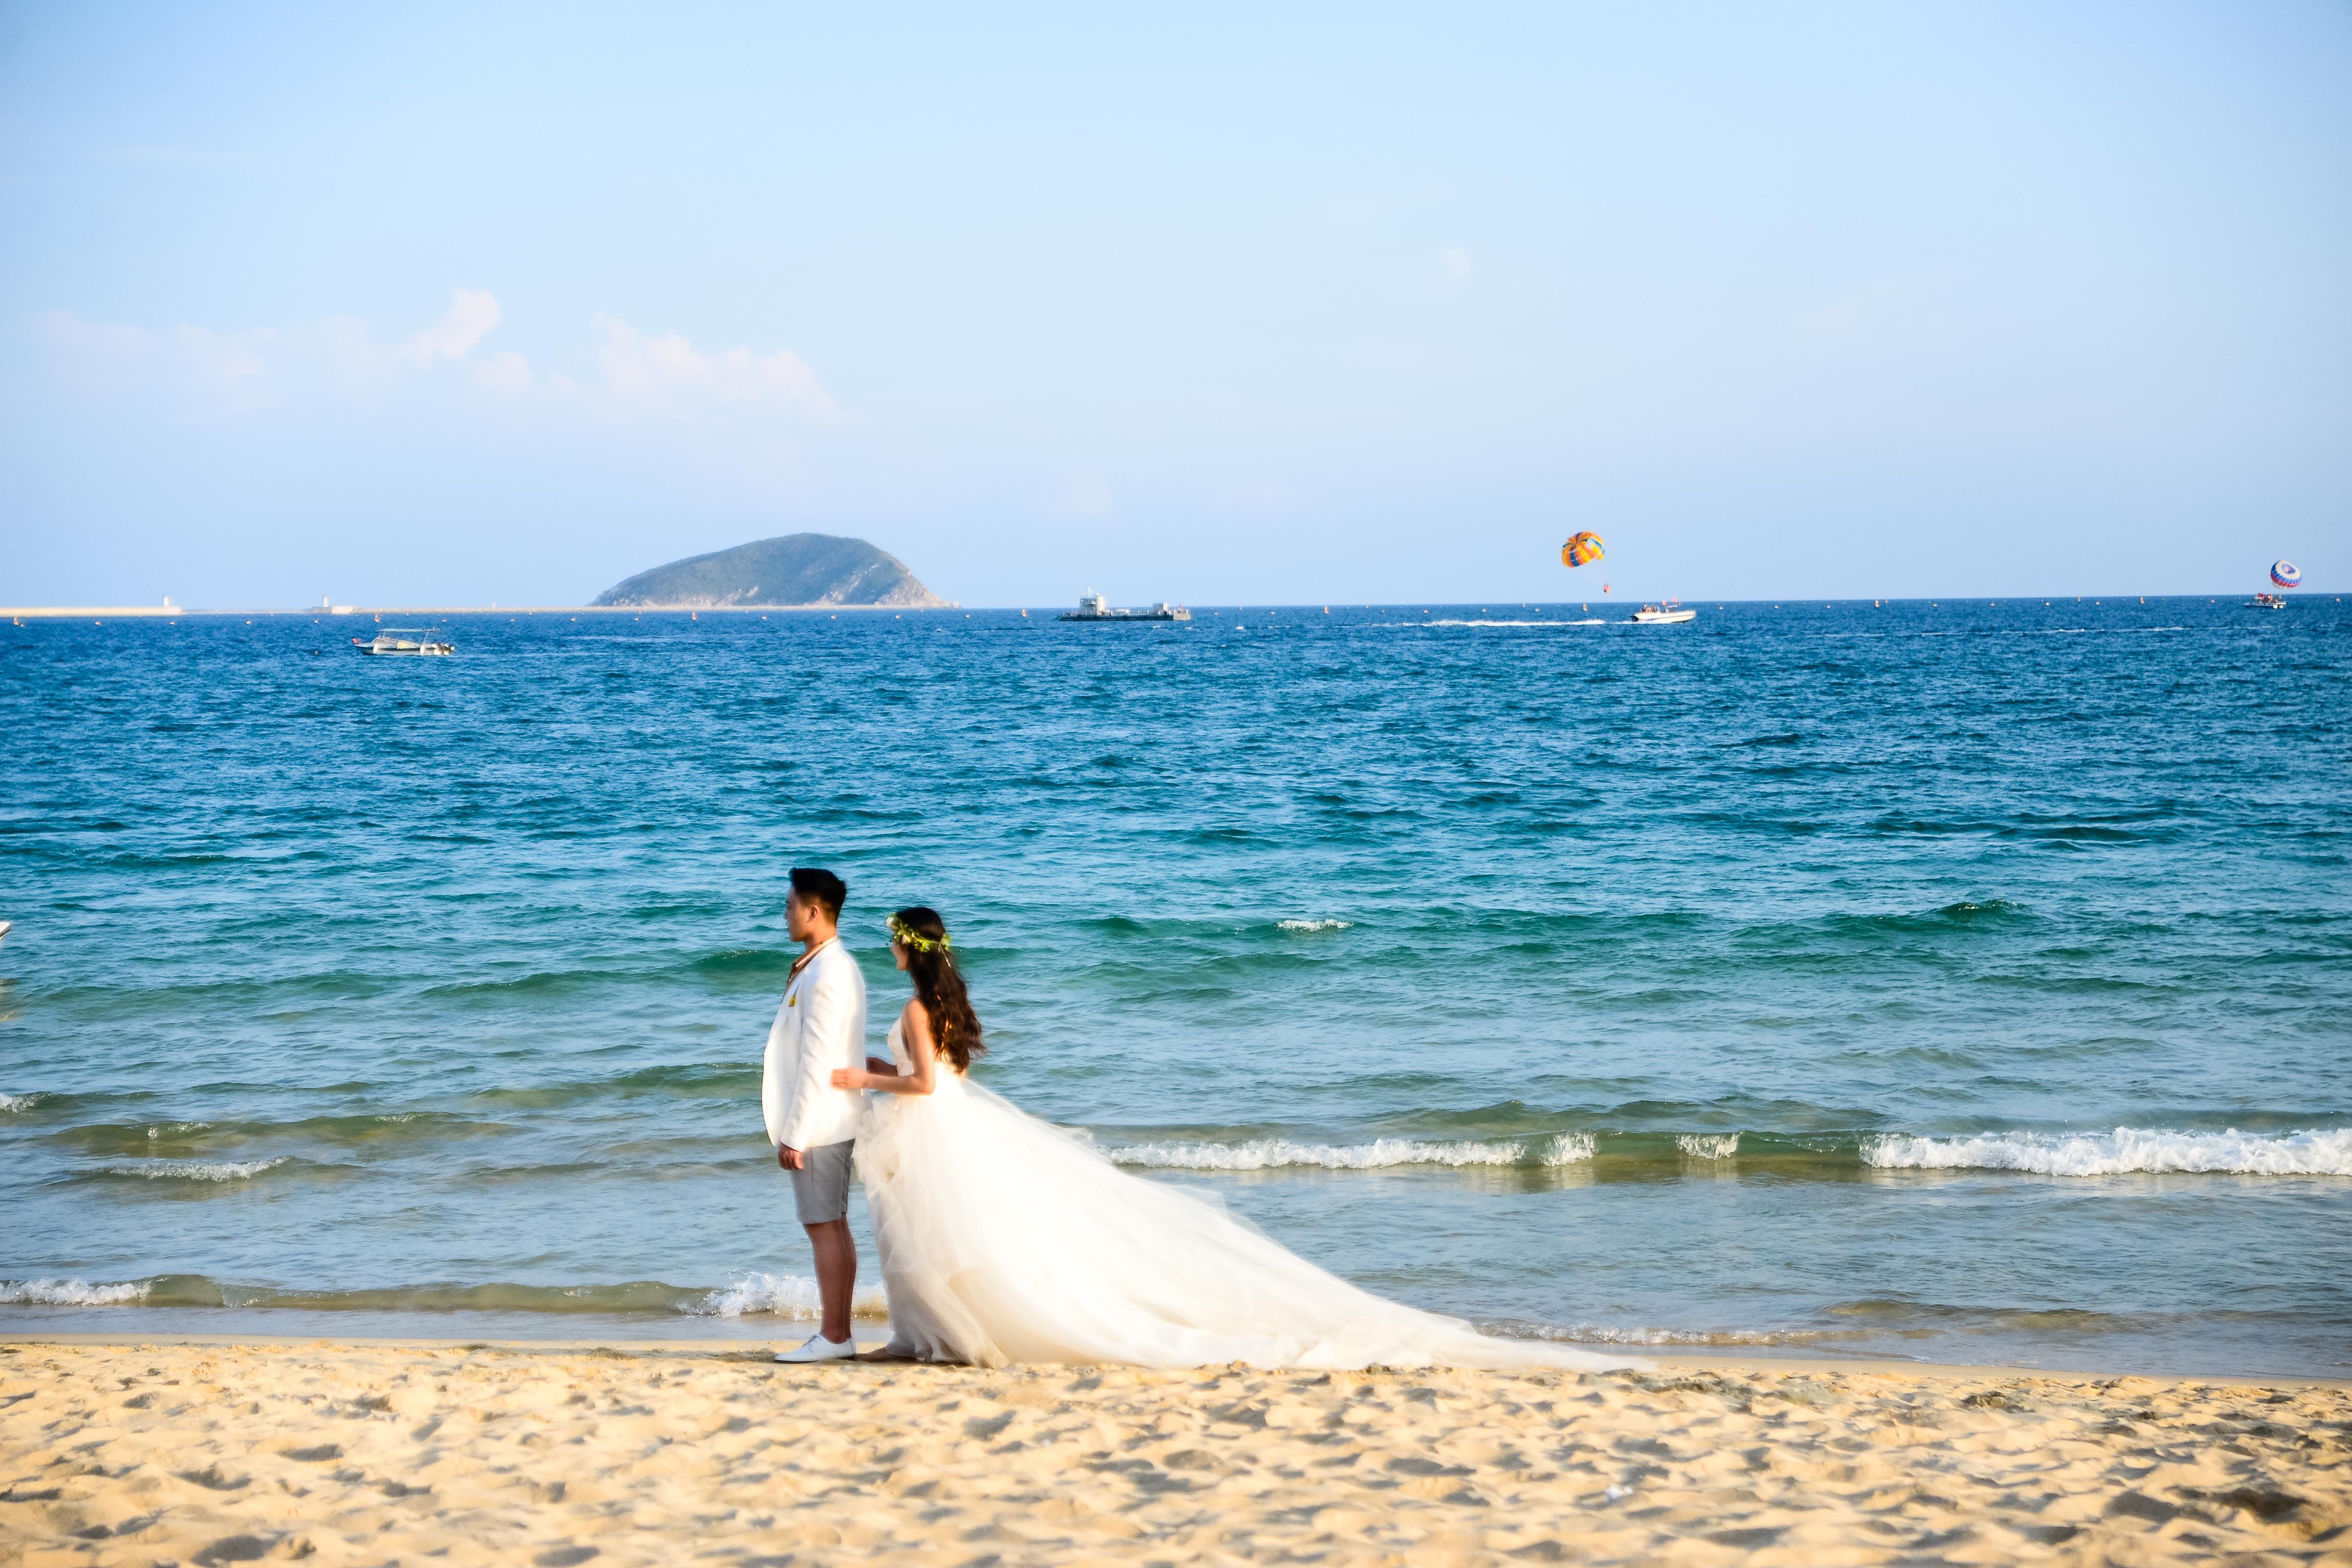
1006,1239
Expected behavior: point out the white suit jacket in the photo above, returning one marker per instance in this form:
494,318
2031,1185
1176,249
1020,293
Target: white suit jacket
820,1026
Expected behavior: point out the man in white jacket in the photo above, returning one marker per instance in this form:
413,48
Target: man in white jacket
820,1026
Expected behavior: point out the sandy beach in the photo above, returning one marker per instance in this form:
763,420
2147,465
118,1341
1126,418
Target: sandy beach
207,1453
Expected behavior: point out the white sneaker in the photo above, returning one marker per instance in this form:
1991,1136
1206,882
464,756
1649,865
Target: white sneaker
819,1348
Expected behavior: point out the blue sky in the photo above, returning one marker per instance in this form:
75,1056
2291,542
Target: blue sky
449,305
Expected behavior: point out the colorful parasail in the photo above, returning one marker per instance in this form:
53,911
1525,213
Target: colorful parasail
2285,573
1581,549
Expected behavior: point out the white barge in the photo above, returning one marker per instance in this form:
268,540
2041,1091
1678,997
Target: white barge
1094,607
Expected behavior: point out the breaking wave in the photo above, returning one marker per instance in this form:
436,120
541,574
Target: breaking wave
1312,925
196,1170
18,1101
783,1295
1707,1145
1276,1153
2125,1150
69,1293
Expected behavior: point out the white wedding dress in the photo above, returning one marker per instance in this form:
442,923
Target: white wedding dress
1006,1239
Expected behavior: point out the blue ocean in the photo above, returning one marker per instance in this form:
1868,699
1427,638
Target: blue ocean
1963,981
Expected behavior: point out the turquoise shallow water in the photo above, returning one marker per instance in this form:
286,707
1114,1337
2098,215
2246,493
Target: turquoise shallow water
1958,981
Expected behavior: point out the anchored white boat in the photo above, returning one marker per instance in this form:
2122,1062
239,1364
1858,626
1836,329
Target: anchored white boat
1094,607
389,642
1665,614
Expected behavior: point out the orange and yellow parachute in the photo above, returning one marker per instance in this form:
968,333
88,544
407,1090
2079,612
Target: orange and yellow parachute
1581,549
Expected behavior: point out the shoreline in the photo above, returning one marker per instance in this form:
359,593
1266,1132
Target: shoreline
350,1454
734,1346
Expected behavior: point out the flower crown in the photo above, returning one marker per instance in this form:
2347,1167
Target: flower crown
907,936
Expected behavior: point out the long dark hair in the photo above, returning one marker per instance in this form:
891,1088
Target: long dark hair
939,986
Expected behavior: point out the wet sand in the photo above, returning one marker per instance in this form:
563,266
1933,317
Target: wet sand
371,1454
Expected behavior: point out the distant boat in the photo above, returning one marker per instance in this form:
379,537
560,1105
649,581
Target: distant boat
1665,614
1094,607
386,644
4,928
2267,602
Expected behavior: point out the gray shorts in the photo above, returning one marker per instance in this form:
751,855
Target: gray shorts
821,1188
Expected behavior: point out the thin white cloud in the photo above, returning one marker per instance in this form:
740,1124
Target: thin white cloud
635,375
225,356
87,351
208,373
1454,261
503,373
662,375
472,313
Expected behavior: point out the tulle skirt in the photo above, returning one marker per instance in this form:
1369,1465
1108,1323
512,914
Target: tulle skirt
1006,1239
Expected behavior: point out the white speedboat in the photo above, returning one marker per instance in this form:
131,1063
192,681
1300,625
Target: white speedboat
2267,602
1666,614
389,642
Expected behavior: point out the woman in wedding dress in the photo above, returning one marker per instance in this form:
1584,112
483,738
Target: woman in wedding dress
1006,1239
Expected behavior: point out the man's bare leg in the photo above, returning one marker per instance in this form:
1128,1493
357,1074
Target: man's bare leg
837,1275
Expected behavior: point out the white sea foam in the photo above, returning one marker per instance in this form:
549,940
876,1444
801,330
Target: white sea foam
1312,925
1272,1153
789,1295
69,1293
1607,1335
2125,1150
18,1102
196,1169
1276,1153
1707,1145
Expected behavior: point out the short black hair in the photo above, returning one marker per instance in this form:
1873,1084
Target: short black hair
815,882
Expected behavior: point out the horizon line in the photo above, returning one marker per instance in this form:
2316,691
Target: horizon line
168,610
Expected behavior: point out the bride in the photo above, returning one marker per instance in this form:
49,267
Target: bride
1006,1239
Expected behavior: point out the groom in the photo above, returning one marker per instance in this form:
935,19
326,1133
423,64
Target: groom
820,1026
